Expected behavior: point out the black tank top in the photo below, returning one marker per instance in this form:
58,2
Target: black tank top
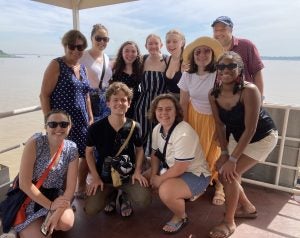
234,121
171,84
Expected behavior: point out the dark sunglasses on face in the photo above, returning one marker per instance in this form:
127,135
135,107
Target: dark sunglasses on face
54,124
230,66
100,38
78,47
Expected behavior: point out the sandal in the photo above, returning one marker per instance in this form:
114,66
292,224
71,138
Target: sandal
221,231
219,198
125,205
176,226
110,208
246,215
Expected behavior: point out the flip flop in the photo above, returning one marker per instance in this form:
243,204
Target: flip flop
246,215
221,231
176,225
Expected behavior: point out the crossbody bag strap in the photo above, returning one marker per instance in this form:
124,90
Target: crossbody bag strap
166,144
47,170
127,139
102,73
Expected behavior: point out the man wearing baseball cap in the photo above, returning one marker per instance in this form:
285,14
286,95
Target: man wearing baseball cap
222,30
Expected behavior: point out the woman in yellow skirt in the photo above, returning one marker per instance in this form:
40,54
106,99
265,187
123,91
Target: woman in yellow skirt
195,84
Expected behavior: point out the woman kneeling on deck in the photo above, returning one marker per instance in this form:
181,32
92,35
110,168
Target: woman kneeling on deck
43,152
178,167
246,133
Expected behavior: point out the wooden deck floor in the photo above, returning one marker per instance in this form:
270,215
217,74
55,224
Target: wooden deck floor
278,216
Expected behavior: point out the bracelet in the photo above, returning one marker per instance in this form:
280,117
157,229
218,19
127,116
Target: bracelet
50,207
232,159
224,152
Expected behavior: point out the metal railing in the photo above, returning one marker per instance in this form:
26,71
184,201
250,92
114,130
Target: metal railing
282,137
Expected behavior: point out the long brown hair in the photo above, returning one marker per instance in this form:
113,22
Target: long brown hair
119,65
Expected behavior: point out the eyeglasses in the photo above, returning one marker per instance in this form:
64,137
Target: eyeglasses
78,47
54,124
204,51
100,38
230,66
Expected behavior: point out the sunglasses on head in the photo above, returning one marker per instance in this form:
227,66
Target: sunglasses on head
78,47
100,38
54,124
230,66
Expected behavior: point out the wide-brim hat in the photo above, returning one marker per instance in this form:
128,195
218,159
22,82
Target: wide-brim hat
203,41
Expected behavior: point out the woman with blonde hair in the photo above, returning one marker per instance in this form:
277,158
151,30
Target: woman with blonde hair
175,42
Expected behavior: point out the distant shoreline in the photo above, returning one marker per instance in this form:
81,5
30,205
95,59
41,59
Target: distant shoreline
5,55
295,58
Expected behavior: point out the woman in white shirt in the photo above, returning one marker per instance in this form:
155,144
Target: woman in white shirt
177,155
195,85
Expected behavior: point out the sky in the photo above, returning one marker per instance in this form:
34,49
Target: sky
31,27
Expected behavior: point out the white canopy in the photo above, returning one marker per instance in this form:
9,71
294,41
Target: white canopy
76,5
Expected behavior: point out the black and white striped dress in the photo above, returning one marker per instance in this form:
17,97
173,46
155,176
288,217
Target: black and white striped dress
152,84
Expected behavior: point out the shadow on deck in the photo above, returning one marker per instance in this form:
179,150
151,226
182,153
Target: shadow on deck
278,216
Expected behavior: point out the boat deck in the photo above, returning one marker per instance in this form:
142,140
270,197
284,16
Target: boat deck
278,216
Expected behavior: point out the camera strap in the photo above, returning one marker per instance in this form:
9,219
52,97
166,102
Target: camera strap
165,165
127,139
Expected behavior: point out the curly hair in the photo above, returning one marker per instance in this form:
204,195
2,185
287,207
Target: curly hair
239,82
156,100
116,87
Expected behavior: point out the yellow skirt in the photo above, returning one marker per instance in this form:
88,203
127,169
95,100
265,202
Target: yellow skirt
205,127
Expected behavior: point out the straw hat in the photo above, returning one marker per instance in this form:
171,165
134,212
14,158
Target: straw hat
203,41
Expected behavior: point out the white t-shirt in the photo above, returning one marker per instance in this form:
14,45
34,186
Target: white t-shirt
183,145
198,87
94,70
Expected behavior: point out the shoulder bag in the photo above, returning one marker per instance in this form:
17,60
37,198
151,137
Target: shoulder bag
115,175
12,209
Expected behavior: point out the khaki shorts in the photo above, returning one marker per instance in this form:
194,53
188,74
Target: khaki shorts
258,150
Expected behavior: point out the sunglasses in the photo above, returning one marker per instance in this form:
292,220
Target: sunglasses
204,51
54,124
78,47
100,38
230,66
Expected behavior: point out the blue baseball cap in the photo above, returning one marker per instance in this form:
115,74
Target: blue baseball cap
223,19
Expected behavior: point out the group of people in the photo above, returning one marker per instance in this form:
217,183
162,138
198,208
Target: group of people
196,113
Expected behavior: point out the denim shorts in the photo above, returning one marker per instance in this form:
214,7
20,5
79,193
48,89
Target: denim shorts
197,184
